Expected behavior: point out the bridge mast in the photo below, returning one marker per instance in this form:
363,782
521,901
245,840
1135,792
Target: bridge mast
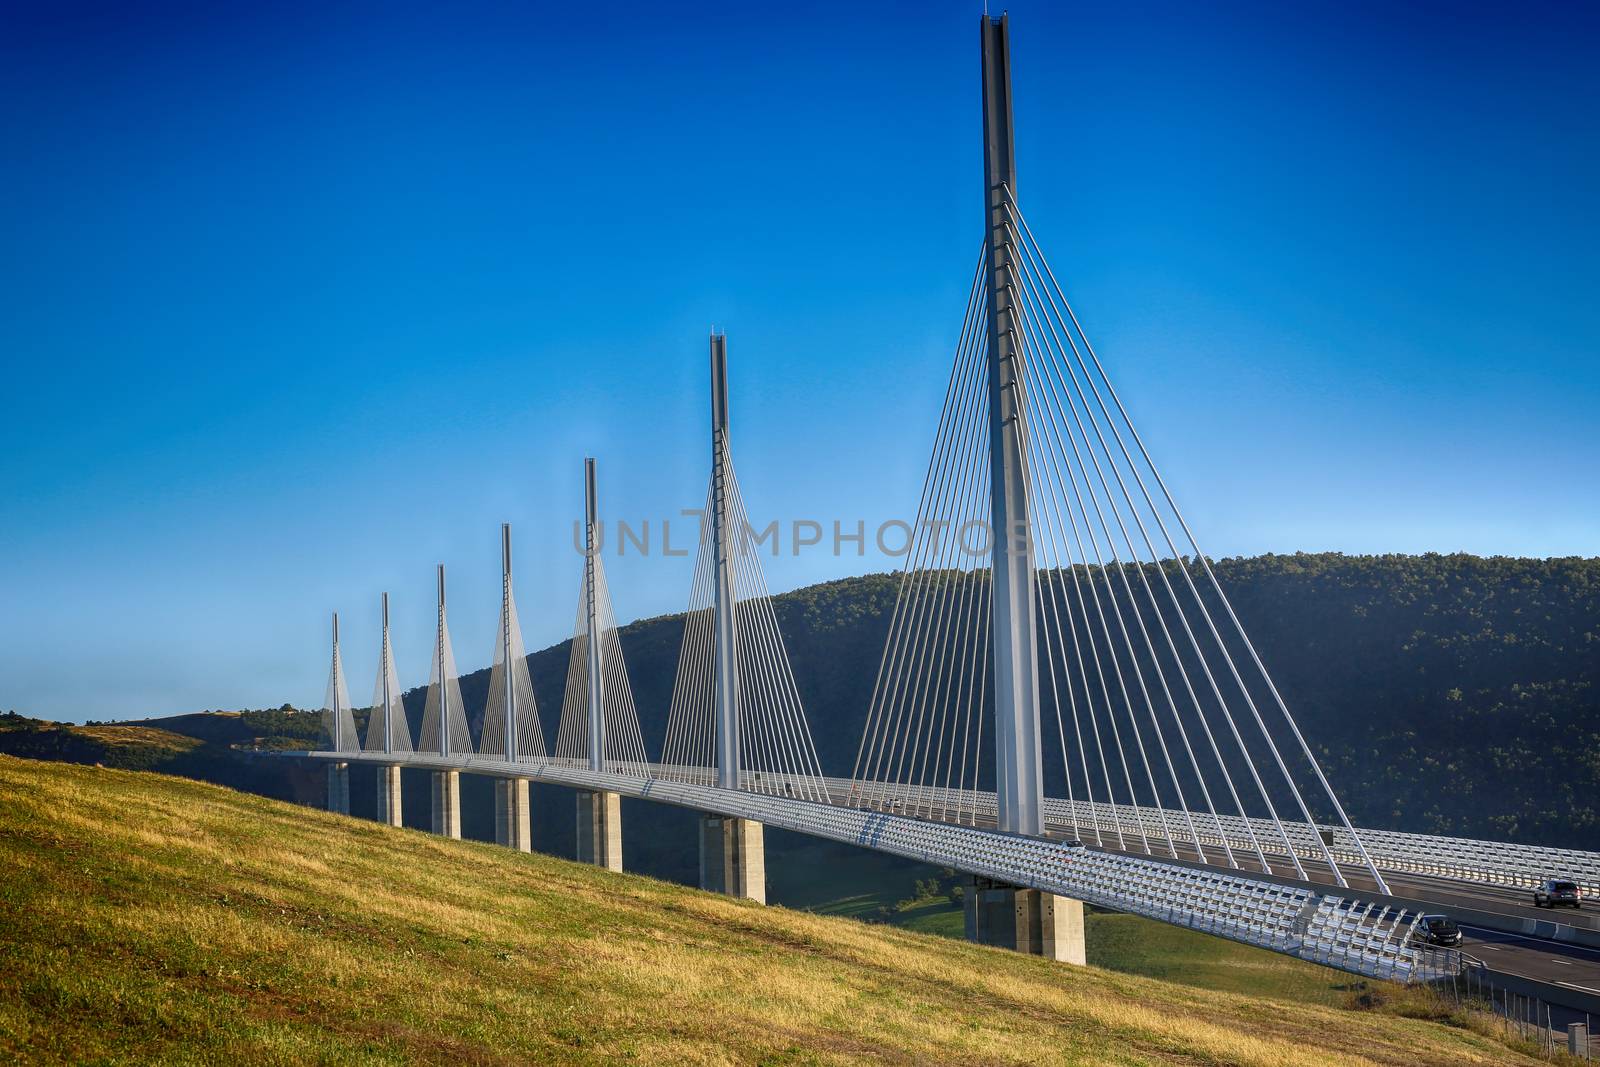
338,725
383,669
597,724
444,687
1019,785
505,638
726,657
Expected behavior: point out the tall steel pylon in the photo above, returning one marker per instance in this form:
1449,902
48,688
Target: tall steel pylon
1019,780
591,602
726,658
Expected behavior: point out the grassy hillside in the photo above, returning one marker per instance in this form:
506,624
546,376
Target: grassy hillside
156,918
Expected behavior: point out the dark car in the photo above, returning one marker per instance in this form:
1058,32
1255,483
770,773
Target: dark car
1557,891
1437,930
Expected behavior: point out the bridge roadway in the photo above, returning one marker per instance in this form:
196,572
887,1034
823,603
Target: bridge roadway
1500,924
1129,880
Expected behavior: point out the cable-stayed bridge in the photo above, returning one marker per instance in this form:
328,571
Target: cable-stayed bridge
1067,706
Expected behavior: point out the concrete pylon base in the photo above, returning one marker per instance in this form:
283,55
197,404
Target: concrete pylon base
1025,920
733,857
339,788
447,803
600,829
512,823
388,796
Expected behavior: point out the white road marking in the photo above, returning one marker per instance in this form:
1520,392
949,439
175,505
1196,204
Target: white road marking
1564,963
1585,988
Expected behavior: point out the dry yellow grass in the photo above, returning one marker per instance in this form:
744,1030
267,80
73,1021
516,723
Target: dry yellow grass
155,918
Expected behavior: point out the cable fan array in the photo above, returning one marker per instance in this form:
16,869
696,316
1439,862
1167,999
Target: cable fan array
338,720
525,738
387,728
1156,695
776,752
623,745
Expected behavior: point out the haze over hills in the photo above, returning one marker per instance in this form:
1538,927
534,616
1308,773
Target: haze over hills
154,919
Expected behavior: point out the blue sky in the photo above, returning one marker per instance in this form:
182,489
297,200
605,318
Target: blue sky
298,301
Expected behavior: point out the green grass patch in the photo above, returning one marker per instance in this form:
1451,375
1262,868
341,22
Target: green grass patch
157,919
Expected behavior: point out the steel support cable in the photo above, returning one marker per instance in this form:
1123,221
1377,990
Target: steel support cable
1053,617
1200,656
1083,674
790,727
530,731
1111,716
907,639
986,621
1056,598
945,571
393,725
1133,654
1030,299
575,700
706,741
1032,281
789,710
631,742
1055,692
1216,585
759,750
935,629
785,716
927,550
808,766
950,392
1211,625
962,650
1026,434
1216,691
904,639
677,749
952,626
955,744
705,681
759,702
961,663
1100,672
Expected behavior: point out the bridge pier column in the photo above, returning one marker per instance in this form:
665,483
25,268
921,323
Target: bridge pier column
1025,920
600,829
512,824
389,795
733,857
339,788
447,803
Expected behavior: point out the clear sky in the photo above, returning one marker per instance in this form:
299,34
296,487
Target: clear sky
297,301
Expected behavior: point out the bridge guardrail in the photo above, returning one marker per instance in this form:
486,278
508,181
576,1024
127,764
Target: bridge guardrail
1459,858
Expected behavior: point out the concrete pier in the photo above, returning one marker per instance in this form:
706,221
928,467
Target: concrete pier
1025,920
447,803
512,823
339,788
388,811
733,857
600,829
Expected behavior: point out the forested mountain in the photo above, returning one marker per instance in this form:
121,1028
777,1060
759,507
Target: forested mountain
1445,694
1448,694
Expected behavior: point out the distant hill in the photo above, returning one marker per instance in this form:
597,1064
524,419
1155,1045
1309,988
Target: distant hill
1449,694
151,919
1445,694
